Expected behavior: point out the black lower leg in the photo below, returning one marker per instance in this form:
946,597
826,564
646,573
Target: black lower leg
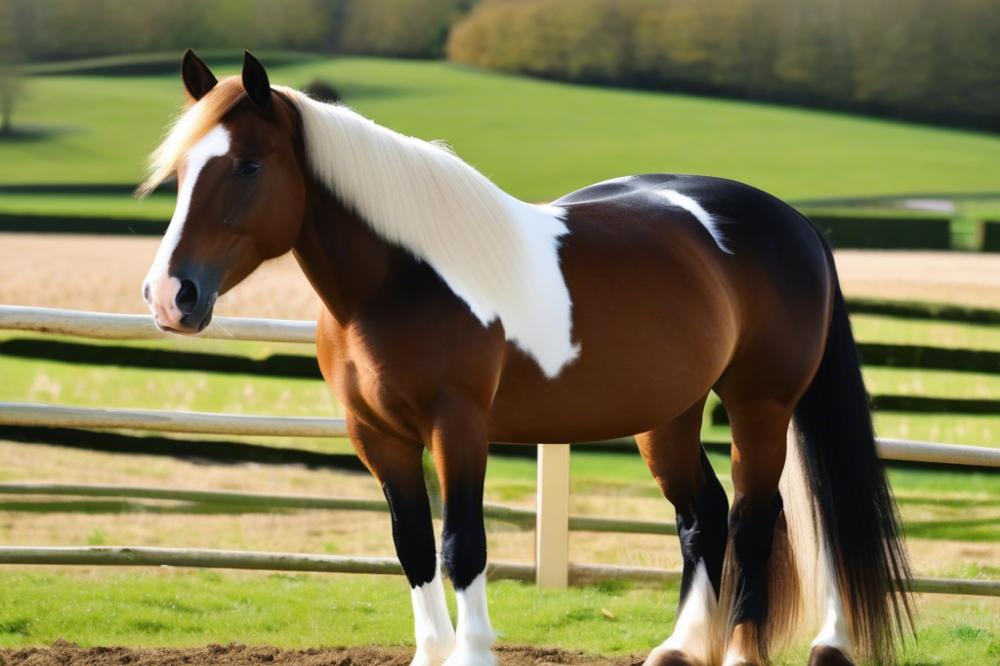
703,530
463,541
412,532
752,527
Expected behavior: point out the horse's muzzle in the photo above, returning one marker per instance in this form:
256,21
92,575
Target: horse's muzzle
180,304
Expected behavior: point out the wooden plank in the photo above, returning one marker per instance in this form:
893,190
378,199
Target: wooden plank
105,326
579,574
226,559
552,527
947,454
26,414
979,588
29,414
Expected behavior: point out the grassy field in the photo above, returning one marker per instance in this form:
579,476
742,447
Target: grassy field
182,609
537,139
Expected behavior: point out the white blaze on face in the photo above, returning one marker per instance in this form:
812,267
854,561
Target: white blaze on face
160,289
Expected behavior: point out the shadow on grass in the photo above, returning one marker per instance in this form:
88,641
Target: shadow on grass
955,503
33,133
981,529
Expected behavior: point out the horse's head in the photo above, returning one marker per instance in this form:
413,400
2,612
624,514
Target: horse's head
240,192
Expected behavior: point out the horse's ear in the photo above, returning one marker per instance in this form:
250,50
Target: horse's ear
255,82
198,78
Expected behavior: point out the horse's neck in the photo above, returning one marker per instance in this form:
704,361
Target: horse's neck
342,257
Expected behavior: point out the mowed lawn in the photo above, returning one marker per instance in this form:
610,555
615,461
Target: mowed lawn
537,139
184,609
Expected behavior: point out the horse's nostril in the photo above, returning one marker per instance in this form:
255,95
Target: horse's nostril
187,297
145,292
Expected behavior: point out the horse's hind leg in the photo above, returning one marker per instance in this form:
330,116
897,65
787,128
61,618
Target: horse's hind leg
678,462
398,466
761,609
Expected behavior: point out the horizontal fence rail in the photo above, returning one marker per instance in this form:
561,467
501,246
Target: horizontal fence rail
206,423
29,414
267,561
105,326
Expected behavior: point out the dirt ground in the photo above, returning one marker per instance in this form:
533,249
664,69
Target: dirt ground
104,273
67,654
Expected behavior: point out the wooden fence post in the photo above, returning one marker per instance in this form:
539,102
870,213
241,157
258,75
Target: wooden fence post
552,523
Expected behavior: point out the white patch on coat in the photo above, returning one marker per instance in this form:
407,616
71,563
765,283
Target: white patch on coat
498,254
706,219
474,634
435,637
694,622
163,288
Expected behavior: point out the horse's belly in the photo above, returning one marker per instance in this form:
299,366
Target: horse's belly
610,391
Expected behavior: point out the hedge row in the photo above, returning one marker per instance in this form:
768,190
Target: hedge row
885,232
69,224
991,237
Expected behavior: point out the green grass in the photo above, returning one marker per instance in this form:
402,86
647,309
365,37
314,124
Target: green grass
537,139
895,330
189,609
157,207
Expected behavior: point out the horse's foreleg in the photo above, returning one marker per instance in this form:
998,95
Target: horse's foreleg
459,446
397,464
677,461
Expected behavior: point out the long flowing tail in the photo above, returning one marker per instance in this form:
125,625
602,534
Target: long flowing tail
837,487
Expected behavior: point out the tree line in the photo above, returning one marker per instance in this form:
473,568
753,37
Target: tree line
923,60
47,30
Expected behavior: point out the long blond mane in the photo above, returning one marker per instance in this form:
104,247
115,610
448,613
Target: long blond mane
498,254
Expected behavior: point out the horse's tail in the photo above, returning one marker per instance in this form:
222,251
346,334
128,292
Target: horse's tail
842,518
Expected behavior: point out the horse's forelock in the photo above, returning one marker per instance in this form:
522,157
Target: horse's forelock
193,123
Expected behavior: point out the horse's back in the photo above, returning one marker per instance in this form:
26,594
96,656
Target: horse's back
664,308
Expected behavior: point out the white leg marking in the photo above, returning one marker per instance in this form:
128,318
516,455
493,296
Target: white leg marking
835,632
162,287
474,634
693,626
435,636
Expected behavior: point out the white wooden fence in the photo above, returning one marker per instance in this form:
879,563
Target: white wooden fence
552,520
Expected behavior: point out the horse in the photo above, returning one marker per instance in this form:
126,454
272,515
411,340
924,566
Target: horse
456,315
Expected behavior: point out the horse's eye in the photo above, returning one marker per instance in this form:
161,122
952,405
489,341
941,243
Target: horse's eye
247,169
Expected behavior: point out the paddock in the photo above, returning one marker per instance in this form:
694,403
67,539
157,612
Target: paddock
550,520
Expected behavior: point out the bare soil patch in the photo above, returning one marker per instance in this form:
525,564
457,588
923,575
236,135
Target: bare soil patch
68,654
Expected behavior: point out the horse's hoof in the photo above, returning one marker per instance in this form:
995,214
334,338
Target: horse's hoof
465,655
662,657
824,655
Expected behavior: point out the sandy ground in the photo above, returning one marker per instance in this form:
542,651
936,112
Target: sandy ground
63,654
105,273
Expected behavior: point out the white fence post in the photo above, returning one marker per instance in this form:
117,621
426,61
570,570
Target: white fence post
552,526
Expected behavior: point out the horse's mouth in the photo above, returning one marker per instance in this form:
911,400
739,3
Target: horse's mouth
187,327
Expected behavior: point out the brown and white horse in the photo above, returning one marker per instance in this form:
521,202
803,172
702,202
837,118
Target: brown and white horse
457,315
